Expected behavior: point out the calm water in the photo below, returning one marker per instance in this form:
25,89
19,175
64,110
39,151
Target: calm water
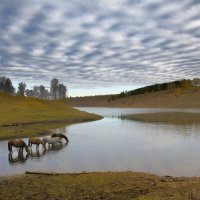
112,144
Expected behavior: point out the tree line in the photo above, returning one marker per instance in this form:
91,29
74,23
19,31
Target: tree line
57,90
185,83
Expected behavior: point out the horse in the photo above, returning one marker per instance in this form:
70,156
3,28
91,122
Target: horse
18,144
60,135
37,142
52,141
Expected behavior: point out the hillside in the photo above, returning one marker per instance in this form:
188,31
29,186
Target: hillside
18,112
180,98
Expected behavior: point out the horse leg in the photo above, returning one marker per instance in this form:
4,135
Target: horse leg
10,149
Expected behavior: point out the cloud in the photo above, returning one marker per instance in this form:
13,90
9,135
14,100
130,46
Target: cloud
99,43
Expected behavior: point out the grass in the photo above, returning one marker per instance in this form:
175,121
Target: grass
17,112
107,185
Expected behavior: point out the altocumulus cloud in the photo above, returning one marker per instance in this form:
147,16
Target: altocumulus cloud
99,43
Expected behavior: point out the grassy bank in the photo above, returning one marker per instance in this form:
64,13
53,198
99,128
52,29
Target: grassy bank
108,185
176,118
21,116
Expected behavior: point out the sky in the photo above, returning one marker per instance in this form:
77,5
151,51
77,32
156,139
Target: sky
99,47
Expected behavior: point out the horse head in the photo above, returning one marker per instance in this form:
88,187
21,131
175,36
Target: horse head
44,140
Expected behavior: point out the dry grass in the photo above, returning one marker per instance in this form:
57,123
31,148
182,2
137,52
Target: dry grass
108,185
22,111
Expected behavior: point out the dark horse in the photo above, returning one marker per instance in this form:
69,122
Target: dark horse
18,144
60,135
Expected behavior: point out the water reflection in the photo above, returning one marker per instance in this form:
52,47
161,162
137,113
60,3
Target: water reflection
20,158
54,148
37,153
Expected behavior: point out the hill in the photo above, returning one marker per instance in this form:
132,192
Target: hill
174,98
18,112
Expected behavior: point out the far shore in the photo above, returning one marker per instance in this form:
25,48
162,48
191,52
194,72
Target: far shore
176,118
179,98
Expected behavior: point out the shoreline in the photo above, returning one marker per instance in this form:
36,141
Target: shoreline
34,129
99,185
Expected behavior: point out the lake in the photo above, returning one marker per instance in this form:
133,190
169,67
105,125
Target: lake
115,144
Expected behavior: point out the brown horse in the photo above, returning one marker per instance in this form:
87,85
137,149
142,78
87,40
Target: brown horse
36,141
60,135
18,144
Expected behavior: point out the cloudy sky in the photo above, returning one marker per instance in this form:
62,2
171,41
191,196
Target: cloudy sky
103,46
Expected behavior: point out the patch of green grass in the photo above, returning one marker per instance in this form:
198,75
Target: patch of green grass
17,110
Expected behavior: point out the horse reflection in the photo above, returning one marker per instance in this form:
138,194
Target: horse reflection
20,158
37,153
55,148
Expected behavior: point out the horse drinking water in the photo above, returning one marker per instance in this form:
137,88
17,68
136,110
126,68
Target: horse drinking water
60,135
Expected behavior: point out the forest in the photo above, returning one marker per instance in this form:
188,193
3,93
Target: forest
185,83
57,90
